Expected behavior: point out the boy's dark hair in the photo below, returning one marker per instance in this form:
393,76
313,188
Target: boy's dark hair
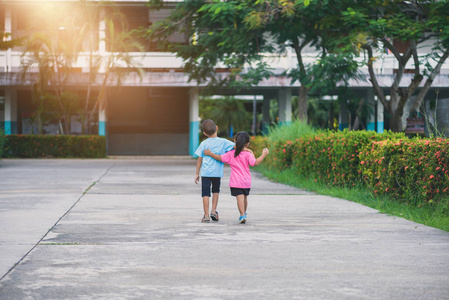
208,126
241,139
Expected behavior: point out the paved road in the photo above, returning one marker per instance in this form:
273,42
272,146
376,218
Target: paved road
130,229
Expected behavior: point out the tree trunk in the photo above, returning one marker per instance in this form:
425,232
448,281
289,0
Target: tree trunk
331,117
396,123
302,103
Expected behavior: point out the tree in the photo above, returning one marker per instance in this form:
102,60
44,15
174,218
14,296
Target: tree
7,43
227,113
113,66
57,44
50,49
376,26
238,34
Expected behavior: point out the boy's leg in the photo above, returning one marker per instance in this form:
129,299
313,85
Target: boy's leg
206,205
214,201
213,212
216,181
205,193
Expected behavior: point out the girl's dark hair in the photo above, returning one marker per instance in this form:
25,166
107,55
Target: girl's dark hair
241,139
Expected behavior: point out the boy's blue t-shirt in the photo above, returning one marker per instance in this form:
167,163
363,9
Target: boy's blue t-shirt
211,167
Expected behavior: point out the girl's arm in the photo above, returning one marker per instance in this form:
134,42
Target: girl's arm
265,152
211,154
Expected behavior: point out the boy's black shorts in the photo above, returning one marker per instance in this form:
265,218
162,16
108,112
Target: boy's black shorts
239,191
206,182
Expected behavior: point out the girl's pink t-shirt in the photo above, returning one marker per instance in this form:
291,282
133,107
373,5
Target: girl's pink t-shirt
240,173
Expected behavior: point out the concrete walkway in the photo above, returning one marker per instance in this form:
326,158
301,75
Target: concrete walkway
129,228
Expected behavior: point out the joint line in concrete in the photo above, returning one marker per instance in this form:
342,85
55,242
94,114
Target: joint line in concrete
45,235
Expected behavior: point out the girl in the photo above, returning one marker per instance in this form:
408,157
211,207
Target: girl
240,159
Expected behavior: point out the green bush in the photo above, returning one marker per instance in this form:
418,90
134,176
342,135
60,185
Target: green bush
280,143
33,146
257,143
410,169
2,141
333,157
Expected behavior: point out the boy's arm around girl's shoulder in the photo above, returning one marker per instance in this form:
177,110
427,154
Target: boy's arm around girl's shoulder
228,145
249,150
259,160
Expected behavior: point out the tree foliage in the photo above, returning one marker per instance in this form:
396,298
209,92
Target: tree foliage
420,28
238,35
226,113
62,33
241,36
7,43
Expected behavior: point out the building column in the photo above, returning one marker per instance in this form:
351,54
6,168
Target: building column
380,117
102,32
285,106
371,122
343,117
194,116
8,30
102,116
10,111
266,113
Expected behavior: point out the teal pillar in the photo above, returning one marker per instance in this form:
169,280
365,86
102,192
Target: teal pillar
194,116
10,127
10,111
194,137
266,113
285,106
102,128
285,123
380,117
343,116
102,122
371,123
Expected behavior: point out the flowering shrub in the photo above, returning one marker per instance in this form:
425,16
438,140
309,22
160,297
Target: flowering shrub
409,169
33,146
333,157
257,143
2,141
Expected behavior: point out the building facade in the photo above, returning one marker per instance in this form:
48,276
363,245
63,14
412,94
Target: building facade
158,111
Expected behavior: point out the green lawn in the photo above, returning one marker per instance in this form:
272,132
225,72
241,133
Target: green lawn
432,214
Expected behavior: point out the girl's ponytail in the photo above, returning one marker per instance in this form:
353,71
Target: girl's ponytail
241,139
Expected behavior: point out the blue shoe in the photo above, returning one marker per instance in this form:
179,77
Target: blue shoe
242,219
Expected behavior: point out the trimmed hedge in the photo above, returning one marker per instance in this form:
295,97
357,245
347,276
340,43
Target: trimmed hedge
61,146
410,170
2,141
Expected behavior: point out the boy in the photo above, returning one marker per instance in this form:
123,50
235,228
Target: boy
211,170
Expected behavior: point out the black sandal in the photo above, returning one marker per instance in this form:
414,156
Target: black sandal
214,216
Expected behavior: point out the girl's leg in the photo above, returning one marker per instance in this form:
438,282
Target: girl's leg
241,204
245,203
